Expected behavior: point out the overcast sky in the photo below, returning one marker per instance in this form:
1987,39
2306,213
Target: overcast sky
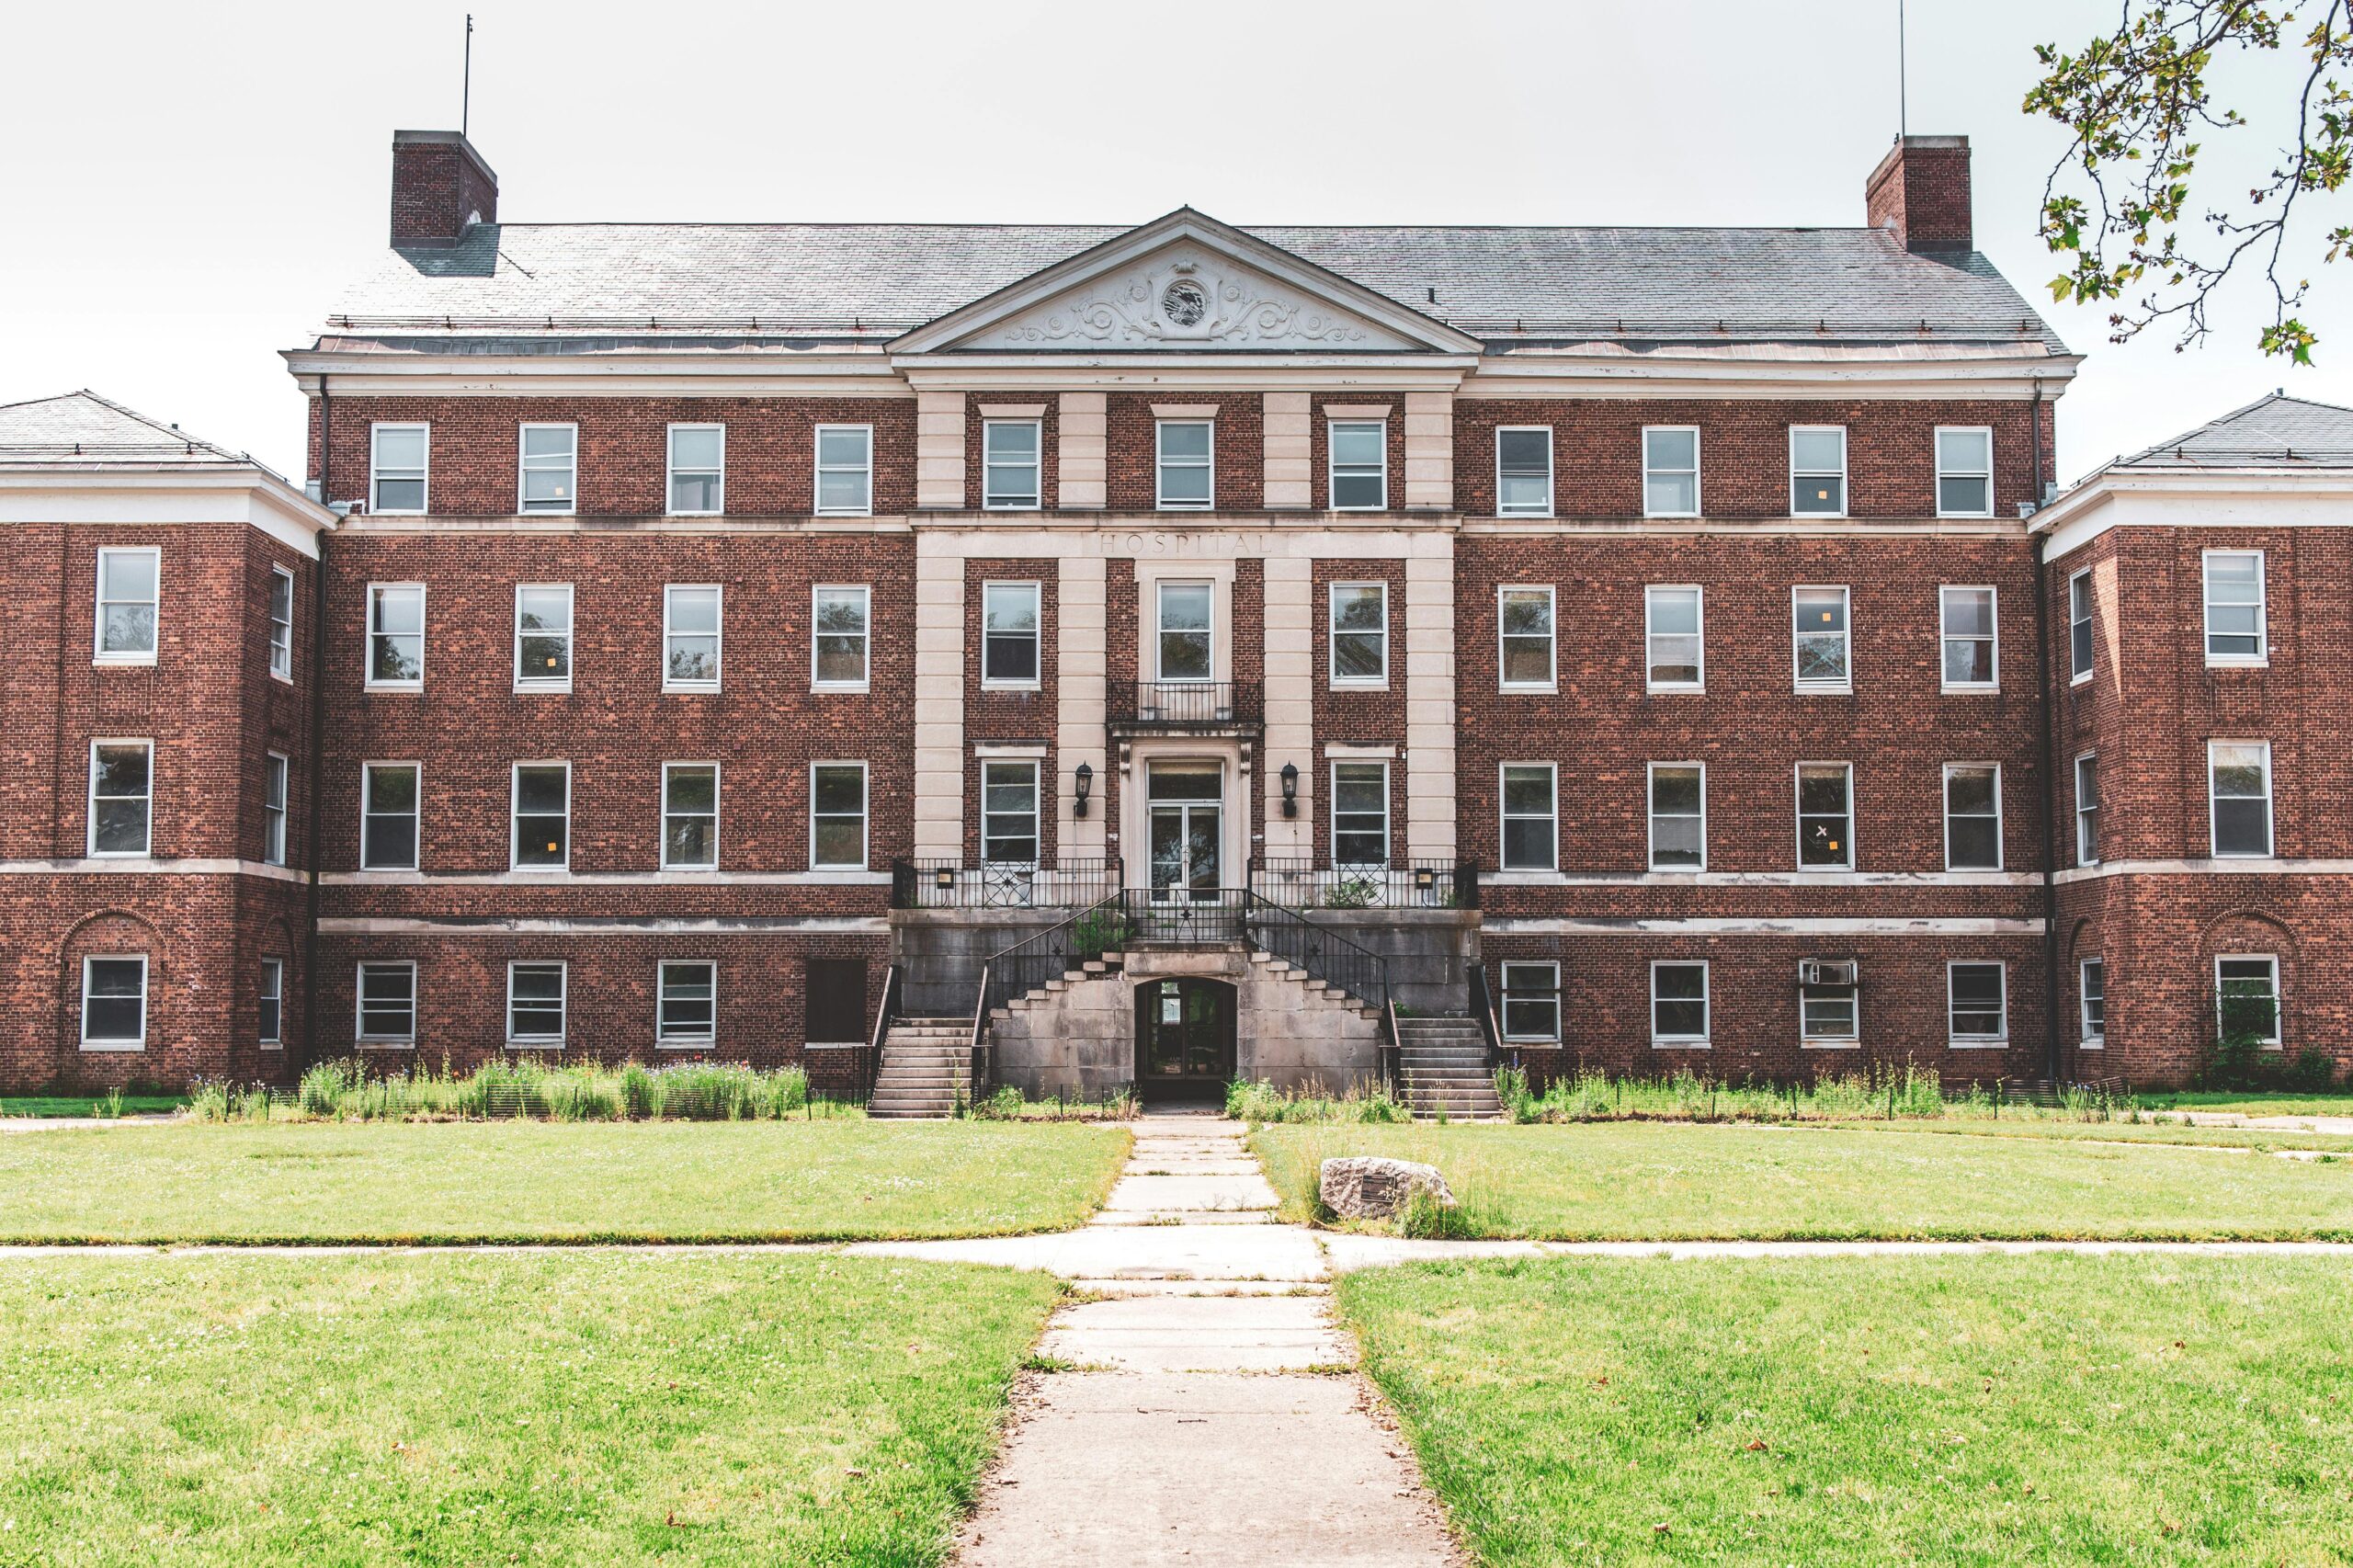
189,188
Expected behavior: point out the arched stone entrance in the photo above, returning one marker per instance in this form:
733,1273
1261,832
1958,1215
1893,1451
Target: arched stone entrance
1185,1038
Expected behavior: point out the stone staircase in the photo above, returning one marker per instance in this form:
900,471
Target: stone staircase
1444,1063
927,1068
1313,991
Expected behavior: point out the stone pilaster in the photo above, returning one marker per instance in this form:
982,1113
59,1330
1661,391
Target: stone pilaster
939,699
1429,697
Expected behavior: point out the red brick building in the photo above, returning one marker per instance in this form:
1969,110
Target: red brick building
1150,655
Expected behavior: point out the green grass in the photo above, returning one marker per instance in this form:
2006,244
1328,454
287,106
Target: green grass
1949,1411
557,1407
553,1181
1618,1181
2237,1102
46,1106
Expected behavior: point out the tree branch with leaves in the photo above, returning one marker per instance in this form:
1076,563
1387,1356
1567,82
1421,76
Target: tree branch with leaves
2137,105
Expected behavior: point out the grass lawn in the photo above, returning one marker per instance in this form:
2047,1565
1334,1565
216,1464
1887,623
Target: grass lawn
553,1181
556,1407
46,1106
1970,1410
1659,1181
2237,1103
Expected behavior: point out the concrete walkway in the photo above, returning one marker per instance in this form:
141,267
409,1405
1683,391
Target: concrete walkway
1204,1410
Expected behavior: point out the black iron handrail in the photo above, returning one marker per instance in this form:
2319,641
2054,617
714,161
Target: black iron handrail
1049,955
1322,952
1483,1009
950,882
1427,882
1186,703
884,1016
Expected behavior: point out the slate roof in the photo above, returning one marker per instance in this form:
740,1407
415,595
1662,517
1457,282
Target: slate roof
1506,286
83,430
2277,431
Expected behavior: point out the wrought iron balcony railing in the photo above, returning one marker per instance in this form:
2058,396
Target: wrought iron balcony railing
1187,704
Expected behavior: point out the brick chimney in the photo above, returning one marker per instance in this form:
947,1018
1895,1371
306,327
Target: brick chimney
1921,191
440,186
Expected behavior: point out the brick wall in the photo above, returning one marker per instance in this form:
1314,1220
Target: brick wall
1238,448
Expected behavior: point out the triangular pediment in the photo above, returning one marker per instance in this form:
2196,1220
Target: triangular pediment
1185,283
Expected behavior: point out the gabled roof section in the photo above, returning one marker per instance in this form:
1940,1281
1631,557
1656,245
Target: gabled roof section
83,430
1186,282
2277,431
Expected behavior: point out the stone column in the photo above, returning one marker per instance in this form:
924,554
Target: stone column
1082,470
1290,701
1429,697
1289,466
939,699
1430,451
940,451
1079,716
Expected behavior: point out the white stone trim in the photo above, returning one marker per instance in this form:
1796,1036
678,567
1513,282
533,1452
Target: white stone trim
678,879
1765,879
939,450
1082,608
1351,749
1430,719
1013,410
1024,752
1285,428
1186,410
141,866
1290,736
354,925
939,700
1742,926
1430,451
1082,447
2227,866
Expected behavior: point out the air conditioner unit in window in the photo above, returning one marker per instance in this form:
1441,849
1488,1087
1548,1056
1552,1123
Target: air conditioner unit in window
1827,971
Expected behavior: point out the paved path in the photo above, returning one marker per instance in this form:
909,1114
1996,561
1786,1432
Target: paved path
1209,1412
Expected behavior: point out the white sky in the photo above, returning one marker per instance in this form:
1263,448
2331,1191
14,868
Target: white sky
189,188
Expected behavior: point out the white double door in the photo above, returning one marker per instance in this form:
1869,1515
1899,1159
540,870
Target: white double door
1185,804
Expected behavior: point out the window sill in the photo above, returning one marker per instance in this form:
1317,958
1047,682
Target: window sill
1030,687
1549,688
281,678
535,1045
1003,507
833,1045
1843,688
690,871
535,688
394,685
700,688
1981,688
1682,1045
706,1042
721,513
1841,1044
1695,872
1675,690
1531,1042
2091,1044
269,1045
2229,664
123,662
121,855
365,1043
1543,517
1977,1044
821,689
843,512
1818,517
2084,680
1965,516
1361,685
115,1046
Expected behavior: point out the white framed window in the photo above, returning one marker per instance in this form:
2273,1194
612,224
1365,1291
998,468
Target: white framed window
1186,643
1972,816
1530,827
697,470
2091,999
1184,465
1969,617
845,471
1671,471
2088,810
1009,465
1010,636
396,636
691,816
122,798
2236,626
1360,631
1009,829
1817,471
1825,816
549,469
399,460
1523,470
1358,477
1679,1002
1678,816
274,770
1526,654
1532,1003
837,816
1360,814
388,816
535,1002
686,1011
1821,640
2238,796
1673,632
1964,471
114,1002
130,588
838,639
541,813
281,623
2246,995
2079,626
1830,1013
543,636
269,1003
387,1001
1977,1003
692,614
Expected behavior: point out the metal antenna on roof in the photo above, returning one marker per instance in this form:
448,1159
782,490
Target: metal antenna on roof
466,87
1902,78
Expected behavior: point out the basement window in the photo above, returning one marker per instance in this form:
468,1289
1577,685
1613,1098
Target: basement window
1532,1003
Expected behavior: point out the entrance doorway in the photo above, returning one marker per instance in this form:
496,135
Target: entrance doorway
1184,1038
1186,803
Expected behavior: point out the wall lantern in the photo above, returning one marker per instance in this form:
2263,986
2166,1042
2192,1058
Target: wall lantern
1291,788
1085,778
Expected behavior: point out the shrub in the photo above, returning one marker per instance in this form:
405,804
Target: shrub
2313,1070
1352,892
1262,1102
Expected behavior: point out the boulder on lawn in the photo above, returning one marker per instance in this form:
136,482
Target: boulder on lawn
1365,1187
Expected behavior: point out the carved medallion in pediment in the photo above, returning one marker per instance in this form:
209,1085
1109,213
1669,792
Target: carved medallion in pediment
1186,297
